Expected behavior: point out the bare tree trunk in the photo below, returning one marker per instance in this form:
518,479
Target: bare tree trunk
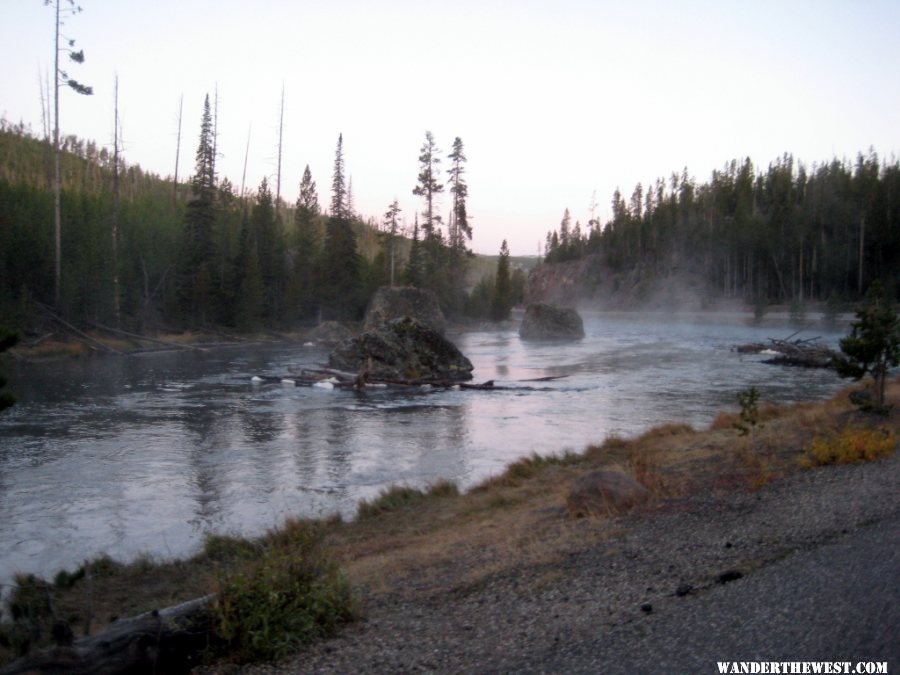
45,108
280,139
244,175
215,147
57,227
115,218
177,154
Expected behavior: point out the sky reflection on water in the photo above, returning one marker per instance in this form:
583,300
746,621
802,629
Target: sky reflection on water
150,453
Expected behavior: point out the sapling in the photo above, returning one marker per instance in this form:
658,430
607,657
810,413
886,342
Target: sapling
873,345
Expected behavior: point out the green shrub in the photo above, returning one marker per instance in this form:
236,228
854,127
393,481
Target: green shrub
284,599
222,548
397,497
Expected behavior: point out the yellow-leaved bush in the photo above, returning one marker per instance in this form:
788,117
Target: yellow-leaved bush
851,444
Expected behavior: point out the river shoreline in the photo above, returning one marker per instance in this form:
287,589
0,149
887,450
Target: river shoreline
477,578
57,345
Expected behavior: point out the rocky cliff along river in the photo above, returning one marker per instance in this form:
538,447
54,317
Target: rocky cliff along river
148,453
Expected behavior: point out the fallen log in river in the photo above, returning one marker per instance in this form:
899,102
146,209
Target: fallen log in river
809,353
330,378
337,379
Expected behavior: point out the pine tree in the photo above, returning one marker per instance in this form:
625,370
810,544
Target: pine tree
338,182
309,198
502,303
461,229
301,295
873,345
340,265
414,273
391,233
200,221
268,248
428,185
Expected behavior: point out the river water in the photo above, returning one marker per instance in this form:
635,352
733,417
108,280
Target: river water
146,454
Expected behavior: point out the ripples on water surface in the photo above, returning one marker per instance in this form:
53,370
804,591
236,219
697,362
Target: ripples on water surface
149,453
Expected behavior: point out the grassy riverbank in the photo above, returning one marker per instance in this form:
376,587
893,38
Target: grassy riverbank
418,544
58,346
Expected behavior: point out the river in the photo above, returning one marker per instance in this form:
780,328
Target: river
146,454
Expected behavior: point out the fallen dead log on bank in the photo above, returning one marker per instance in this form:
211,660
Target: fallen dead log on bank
144,338
809,353
164,641
92,342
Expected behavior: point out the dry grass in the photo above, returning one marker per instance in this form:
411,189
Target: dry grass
420,542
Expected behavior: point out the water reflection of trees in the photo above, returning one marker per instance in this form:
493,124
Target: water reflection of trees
363,442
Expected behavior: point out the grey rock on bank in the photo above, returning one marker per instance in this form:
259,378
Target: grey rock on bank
604,492
396,302
549,322
403,349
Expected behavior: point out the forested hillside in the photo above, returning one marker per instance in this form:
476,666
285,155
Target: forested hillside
788,234
145,253
141,252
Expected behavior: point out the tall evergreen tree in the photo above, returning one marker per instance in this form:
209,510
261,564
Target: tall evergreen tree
502,303
301,291
429,186
269,250
461,229
200,220
340,266
435,261
339,182
414,273
309,198
391,232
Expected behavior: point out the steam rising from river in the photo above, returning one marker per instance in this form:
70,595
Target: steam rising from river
150,453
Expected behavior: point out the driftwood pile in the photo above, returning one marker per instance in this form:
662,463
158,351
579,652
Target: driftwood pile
809,353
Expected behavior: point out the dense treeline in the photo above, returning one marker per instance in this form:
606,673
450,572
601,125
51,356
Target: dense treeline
200,255
787,234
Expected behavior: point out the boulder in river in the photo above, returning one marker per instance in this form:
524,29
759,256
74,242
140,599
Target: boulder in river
601,492
395,302
550,322
404,349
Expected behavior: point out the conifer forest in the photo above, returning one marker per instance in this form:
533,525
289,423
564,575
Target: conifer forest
150,253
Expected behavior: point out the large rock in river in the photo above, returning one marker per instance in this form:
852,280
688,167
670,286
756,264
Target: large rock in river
549,322
402,349
398,301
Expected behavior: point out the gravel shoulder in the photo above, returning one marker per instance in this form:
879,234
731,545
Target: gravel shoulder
817,555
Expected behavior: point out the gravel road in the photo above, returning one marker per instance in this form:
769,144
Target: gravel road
808,568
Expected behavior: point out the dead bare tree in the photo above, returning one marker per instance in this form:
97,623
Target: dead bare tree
177,154
115,215
61,77
244,175
280,138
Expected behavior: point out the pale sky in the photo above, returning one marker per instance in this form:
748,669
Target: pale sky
554,101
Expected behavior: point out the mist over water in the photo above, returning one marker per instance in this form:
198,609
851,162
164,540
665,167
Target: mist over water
149,453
